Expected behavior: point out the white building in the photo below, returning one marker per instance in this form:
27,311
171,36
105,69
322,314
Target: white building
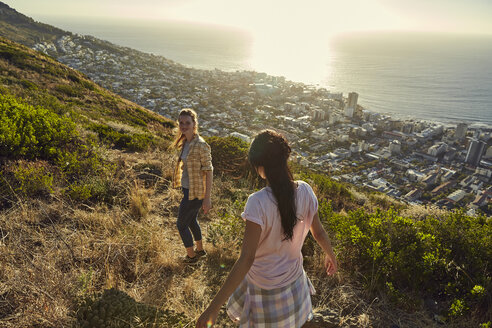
368,127
414,175
352,99
342,152
395,147
437,149
363,146
484,171
354,148
457,195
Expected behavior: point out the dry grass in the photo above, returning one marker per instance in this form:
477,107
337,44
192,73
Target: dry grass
53,254
139,203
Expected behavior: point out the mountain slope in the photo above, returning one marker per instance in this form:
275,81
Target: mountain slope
41,80
20,28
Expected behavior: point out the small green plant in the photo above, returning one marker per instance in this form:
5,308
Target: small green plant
33,180
227,232
457,308
85,281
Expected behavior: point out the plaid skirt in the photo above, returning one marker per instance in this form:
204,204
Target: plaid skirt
288,306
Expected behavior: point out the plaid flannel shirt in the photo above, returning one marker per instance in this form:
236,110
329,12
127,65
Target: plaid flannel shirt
199,161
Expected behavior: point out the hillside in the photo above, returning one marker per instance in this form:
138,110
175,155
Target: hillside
23,29
86,206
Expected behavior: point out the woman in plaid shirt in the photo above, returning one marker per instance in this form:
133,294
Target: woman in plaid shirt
194,174
267,287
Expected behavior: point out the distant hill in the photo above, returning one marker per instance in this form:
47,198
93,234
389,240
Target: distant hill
20,28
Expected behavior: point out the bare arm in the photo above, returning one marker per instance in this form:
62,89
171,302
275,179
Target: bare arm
207,203
241,267
323,240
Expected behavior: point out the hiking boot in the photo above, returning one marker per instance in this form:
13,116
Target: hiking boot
200,253
189,260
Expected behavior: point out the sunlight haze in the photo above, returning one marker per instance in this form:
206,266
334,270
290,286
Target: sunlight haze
291,17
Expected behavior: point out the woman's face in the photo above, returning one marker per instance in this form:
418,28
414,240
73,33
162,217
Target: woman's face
186,125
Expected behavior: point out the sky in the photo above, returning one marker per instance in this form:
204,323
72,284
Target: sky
292,17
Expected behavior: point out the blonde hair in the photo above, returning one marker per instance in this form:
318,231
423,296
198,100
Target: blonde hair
179,138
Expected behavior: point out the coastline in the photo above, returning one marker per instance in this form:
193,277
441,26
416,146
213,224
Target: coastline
379,102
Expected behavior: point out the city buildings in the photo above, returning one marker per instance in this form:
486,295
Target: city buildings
475,152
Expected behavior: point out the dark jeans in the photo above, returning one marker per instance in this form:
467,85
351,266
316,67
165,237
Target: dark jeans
187,219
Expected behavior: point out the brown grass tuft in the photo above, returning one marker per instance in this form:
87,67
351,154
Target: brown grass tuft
139,203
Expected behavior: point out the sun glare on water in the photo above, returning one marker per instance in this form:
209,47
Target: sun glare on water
290,37
299,58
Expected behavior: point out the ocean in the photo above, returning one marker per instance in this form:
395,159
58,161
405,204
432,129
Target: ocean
436,77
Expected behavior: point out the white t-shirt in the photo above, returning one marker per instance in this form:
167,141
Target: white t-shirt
278,262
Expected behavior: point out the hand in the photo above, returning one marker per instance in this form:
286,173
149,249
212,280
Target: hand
207,319
330,263
207,205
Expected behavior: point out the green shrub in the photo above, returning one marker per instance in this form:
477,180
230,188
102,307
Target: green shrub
33,179
87,84
447,258
121,139
68,90
32,132
98,188
229,155
29,85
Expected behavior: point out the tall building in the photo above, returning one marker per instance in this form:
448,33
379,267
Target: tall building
460,133
351,104
352,99
349,111
475,152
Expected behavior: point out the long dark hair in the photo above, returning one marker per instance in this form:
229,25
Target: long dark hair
271,150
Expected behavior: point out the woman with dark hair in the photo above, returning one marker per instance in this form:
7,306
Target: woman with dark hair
267,286
193,173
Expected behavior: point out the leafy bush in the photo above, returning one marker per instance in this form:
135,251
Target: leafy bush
121,139
29,85
26,179
447,258
33,179
32,132
229,155
98,188
68,90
